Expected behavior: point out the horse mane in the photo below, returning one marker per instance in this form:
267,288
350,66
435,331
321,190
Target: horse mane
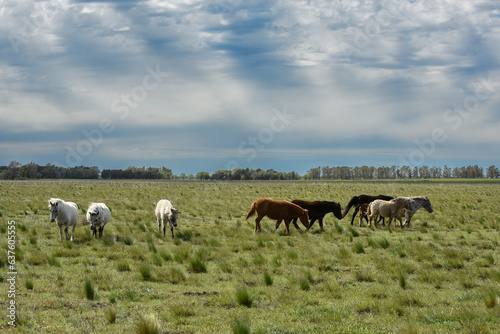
54,200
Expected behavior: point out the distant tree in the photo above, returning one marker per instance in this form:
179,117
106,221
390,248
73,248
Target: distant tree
492,172
29,171
315,173
446,172
221,175
202,176
436,172
12,170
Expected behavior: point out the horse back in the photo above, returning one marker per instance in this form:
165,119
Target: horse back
319,208
70,212
163,208
278,209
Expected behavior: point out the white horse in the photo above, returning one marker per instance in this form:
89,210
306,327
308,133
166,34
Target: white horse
165,212
415,203
64,213
98,214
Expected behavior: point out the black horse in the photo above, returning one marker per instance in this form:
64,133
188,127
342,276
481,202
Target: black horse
356,201
318,210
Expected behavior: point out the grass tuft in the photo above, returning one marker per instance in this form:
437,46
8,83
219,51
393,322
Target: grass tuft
111,315
243,297
358,248
339,228
90,292
402,281
29,284
145,271
182,311
53,261
304,284
383,243
241,326
128,241
147,324
354,232
176,275
268,280
184,235
123,266
491,299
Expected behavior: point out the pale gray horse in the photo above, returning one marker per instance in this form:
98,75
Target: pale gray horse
165,212
413,204
98,215
65,214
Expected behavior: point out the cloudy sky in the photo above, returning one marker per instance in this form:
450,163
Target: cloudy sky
290,85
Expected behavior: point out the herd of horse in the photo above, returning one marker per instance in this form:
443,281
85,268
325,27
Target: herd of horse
65,214
371,208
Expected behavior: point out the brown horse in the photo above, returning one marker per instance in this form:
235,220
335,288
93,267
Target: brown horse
279,210
317,211
356,201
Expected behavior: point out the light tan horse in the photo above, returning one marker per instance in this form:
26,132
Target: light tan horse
388,209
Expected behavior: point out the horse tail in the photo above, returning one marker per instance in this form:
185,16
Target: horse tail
251,212
351,203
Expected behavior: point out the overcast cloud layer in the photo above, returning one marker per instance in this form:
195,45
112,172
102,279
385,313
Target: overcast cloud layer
289,85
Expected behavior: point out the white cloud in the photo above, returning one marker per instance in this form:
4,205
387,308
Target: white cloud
346,69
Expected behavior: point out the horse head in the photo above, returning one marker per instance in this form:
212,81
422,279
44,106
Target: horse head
336,210
173,217
54,208
304,218
427,205
94,217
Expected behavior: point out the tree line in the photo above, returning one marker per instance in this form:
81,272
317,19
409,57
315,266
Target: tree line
17,171
401,172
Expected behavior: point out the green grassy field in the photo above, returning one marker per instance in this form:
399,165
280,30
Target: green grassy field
441,275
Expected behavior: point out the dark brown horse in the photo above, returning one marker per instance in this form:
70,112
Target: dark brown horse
317,211
356,202
279,210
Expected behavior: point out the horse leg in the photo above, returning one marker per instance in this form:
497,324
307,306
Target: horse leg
363,214
312,222
101,229
389,222
172,229
294,222
408,215
287,224
278,222
356,209
60,231
66,232
257,224
158,220
320,221
73,232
